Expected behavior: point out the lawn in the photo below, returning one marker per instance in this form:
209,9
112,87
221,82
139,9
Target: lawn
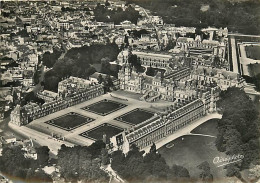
253,52
98,132
135,116
70,121
104,107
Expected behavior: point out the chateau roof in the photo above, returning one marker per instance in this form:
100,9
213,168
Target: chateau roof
213,72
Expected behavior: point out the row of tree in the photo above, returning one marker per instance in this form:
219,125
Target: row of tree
238,129
134,167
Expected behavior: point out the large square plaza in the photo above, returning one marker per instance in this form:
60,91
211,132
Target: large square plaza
98,132
135,116
104,107
70,121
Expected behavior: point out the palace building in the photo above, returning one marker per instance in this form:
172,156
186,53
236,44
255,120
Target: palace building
152,88
158,60
165,123
222,78
25,114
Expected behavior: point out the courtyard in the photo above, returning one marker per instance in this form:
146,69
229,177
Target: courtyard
104,129
104,107
70,121
135,116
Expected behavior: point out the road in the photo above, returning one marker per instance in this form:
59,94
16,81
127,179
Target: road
6,131
234,54
41,138
242,35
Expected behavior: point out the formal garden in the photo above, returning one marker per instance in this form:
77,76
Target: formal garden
70,121
98,132
135,116
104,107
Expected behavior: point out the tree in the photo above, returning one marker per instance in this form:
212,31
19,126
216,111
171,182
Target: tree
82,163
238,129
49,59
13,162
153,148
31,97
78,62
254,174
105,66
205,174
178,172
37,175
105,157
42,155
118,159
150,71
100,79
151,167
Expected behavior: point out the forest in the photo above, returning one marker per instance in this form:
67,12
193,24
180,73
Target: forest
238,129
237,16
103,14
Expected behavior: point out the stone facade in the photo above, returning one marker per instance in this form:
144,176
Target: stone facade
24,115
158,60
222,78
166,123
152,88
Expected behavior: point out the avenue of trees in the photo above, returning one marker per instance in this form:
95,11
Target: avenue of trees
78,62
134,167
238,129
103,14
14,164
241,16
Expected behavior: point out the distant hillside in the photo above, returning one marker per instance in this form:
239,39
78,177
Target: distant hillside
242,16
